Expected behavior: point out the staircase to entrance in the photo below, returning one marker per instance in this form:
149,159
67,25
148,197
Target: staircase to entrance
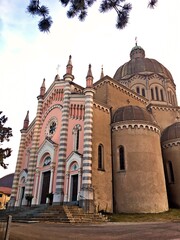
54,213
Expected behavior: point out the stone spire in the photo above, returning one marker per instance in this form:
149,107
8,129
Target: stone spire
69,66
102,72
43,88
26,121
68,76
89,78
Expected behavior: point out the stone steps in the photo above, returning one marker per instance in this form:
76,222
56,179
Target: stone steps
55,213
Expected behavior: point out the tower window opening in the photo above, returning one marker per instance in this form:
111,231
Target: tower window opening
121,158
100,157
137,90
157,93
143,92
152,93
162,95
173,99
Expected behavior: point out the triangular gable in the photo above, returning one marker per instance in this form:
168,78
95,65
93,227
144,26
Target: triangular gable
102,95
73,157
48,146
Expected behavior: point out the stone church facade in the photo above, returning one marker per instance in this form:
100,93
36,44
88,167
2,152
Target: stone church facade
113,145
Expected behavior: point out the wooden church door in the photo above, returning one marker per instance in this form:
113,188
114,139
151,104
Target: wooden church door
45,186
74,187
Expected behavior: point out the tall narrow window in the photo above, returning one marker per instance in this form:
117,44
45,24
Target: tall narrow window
100,157
76,138
121,158
170,172
143,92
157,93
169,98
152,93
162,95
173,100
137,90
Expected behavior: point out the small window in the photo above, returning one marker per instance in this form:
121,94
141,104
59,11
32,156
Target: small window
152,93
162,95
76,138
169,98
143,92
170,172
137,90
121,158
157,93
47,161
100,157
173,100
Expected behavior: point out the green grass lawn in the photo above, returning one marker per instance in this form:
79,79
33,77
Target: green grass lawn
171,215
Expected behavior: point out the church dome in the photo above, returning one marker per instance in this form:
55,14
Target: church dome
141,65
132,113
171,132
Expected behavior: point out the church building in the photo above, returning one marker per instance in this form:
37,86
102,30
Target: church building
111,146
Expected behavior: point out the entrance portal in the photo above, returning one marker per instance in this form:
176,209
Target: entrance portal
45,186
22,195
74,179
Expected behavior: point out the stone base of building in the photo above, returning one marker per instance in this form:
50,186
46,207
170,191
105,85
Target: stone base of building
58,198
86,200
87,205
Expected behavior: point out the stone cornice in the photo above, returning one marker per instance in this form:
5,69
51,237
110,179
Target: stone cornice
171,143
131,124
164,108
101,106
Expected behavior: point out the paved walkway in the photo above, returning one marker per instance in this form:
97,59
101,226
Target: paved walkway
105,231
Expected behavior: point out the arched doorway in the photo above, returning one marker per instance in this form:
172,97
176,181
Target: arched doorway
45,186
74,187
74,181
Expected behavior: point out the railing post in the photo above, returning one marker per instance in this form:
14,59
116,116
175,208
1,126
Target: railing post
9,220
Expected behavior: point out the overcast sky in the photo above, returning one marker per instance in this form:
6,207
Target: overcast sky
27,55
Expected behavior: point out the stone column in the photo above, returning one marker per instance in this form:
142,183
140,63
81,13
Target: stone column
52,167
86,194
34,148
66,197
60,178
14,191
35,199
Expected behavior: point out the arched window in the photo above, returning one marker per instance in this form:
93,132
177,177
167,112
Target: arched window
162,95
157,93
169,97
137,90
77,140
100,157
76,133
170,172
173,99
47,161
152,93
121,158
143,92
